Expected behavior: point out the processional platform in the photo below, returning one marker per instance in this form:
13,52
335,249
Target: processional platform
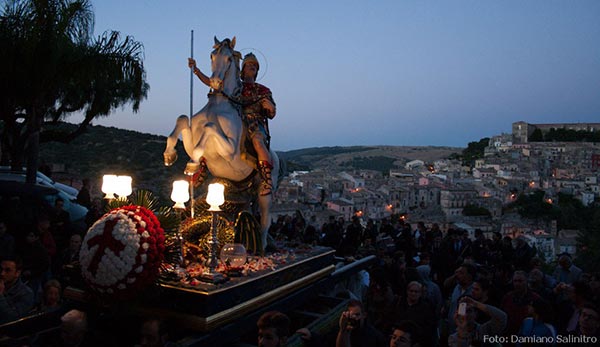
204,306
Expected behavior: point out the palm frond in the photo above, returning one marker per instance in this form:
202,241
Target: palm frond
144,198
116,203
169,218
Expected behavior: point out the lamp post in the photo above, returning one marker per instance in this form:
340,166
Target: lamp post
215,198
180,196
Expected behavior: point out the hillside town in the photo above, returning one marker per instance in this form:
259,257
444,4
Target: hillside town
438,192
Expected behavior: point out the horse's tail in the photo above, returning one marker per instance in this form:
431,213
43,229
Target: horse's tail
282,169
278,170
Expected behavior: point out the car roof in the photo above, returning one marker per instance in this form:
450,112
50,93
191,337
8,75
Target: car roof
20,188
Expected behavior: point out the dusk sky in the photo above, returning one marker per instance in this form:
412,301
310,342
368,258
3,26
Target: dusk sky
344,73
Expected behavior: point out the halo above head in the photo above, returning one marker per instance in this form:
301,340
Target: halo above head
260,58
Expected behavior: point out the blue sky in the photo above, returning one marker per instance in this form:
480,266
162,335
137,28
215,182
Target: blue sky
375,72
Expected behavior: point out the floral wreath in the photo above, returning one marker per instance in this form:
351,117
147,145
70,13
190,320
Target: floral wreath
122,252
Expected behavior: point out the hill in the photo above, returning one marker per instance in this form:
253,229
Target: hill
108,150
380,158
102,150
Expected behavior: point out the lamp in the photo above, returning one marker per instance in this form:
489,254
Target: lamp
123,186
215,197
180,194
109,186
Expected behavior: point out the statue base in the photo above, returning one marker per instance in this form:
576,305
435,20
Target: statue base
207,305
213,277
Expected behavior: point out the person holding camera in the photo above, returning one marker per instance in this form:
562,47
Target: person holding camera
468,331
355,330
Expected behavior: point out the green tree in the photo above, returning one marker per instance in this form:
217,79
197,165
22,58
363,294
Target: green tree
536,136
571,135
534,206
573,215
588,244
474,210
51,67
474,151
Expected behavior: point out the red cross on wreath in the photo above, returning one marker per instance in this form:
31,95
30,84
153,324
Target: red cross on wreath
133,234
104,241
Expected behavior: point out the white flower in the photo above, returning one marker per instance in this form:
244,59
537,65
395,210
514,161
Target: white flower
115,271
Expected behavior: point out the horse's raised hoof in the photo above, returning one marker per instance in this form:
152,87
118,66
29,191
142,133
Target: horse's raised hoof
191,168
170,158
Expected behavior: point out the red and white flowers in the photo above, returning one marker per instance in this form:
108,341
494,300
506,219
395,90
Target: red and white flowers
121,253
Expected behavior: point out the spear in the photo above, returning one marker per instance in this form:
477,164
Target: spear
191,114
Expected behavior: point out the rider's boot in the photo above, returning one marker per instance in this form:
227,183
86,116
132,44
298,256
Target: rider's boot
265,169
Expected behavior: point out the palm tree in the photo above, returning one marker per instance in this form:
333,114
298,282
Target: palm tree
51,67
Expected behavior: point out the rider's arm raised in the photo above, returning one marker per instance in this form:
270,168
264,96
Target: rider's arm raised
197,72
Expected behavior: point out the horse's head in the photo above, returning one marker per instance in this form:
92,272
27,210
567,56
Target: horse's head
225,65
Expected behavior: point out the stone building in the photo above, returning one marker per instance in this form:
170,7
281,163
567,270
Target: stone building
522,130
454,199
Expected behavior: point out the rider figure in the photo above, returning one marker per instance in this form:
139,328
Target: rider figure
257,107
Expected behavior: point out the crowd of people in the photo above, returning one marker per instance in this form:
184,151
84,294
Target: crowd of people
35,262
444,288
428,287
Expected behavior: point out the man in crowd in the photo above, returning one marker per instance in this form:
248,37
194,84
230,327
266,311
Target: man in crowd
154,333
355,330
516,302
566,272
463,277
469,332
16,298
404,335
589,321
273,329
74,332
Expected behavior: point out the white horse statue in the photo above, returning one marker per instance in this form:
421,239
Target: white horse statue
216,132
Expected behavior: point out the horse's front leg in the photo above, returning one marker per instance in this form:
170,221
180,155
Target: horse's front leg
182,126
224,145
